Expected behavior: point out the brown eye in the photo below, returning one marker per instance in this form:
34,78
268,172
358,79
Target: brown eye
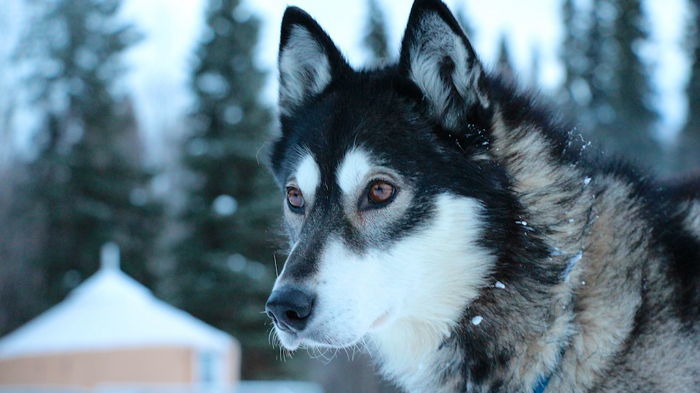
380,191
294,198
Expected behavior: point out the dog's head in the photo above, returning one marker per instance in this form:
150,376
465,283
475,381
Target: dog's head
389,194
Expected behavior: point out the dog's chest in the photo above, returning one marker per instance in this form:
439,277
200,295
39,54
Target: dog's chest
437,371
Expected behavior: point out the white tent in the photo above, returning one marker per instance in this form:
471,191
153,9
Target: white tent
112,312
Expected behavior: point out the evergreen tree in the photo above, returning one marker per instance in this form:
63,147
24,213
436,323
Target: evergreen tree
20,282
87,180
504,62
231,200
688,154
574,57
607,83
631,131
598,70
376,37
586,54
587,88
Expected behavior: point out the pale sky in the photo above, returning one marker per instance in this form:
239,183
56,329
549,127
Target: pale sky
160,65
528,24
345,21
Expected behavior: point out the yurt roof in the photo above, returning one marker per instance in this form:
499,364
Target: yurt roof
111,310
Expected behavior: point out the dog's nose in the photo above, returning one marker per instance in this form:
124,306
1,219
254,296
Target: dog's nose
290,308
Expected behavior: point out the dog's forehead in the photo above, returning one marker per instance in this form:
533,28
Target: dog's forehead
348,170
331,129
380,125
353,168
307,173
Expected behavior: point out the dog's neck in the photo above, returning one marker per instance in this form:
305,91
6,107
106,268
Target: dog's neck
485,351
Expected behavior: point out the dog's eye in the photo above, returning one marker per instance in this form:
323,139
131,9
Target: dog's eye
380,192
294,198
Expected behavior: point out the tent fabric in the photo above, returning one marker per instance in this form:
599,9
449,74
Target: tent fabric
111,310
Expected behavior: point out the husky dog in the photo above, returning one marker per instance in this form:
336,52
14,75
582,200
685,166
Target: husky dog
446,221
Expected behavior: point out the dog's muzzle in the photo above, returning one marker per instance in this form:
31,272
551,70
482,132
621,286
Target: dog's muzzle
290,308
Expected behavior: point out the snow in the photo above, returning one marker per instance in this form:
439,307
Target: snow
109,256
500,285
277,387
574,260
233,115
213,83
236,262
111,310
586,181
225,205
477,320
571,264
523,223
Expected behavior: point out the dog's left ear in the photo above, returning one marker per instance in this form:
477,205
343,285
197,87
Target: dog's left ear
437,56
308,60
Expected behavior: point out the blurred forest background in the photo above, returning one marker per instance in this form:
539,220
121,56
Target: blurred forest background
200,228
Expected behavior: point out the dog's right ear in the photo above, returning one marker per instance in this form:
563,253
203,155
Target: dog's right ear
437,56
308,60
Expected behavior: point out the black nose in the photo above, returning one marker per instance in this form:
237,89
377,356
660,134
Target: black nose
290,308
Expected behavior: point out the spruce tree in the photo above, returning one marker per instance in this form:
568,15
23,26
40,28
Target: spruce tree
87,180
586,89
587,55
375,39
575,58
607,83
630,133
597,71
231,201
504,63
688,151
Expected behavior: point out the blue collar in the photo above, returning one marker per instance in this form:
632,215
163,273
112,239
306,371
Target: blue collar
542,383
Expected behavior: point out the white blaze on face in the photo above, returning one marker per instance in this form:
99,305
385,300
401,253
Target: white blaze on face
308,177
352,170
406,295
410,293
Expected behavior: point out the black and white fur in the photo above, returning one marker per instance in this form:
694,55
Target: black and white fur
509,252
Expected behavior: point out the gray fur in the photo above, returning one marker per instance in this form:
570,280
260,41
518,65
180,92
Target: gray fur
428,57
600,295
304,69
